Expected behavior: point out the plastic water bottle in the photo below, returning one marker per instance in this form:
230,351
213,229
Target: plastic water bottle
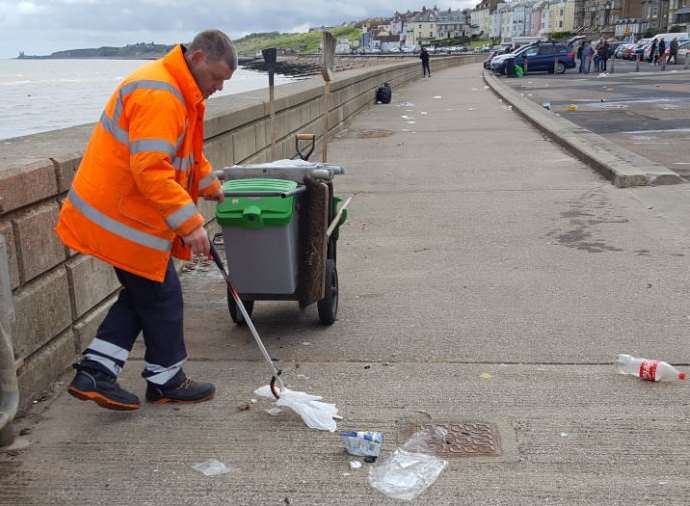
648,370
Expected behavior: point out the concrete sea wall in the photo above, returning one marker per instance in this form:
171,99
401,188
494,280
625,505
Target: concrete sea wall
60,297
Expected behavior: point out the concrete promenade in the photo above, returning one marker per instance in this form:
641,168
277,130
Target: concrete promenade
487,277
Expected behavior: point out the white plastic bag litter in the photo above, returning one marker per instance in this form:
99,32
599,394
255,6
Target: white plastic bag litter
211,467
316,414
411,469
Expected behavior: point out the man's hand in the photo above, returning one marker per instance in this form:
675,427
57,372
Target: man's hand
217,196
198,241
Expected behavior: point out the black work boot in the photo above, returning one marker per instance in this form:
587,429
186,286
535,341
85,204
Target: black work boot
92,383
180,389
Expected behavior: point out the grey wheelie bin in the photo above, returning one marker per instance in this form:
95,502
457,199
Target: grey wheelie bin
275,220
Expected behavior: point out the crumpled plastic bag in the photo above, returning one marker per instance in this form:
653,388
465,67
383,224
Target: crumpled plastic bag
316,414
411,469
211,467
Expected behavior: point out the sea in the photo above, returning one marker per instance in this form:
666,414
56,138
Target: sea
42,95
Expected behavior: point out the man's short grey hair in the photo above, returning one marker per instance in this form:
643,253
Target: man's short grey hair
216,46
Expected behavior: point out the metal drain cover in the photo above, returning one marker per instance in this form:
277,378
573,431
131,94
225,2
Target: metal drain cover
464,439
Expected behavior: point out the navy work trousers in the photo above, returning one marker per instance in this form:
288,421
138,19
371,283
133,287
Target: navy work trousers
149,307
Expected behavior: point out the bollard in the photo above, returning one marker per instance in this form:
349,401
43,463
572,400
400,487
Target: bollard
637,63
555,66
663,62
686,62
613,65
525,65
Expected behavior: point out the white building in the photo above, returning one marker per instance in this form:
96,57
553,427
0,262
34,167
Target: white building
506,30
521,19
496,22
481,22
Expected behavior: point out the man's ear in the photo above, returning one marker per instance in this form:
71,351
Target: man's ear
197,56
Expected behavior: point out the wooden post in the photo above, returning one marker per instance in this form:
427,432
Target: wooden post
686,61
270,56
327,71
637,63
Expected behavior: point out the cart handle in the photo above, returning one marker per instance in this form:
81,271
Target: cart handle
311,138
296,191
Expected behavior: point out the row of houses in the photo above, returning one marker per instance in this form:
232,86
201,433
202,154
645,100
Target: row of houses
493,19
413,29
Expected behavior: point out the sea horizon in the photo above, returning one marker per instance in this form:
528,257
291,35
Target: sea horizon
45,94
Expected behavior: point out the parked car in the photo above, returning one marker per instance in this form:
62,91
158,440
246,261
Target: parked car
683,49
640,48
542,57
494,52
622,48
613,46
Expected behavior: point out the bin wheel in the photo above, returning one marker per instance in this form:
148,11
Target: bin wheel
328,306
235,312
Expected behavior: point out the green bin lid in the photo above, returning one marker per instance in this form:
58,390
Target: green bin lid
256,212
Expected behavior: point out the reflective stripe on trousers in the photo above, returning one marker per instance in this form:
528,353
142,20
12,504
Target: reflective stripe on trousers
149,307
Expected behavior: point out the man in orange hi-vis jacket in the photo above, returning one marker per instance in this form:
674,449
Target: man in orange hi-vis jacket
133,205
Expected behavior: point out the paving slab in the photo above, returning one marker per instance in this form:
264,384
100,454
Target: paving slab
486,277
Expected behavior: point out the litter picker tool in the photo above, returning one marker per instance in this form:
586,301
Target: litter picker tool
270,57
250,324
315,414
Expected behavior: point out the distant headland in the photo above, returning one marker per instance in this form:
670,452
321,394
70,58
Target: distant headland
140,51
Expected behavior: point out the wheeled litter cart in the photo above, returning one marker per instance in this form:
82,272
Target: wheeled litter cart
280,225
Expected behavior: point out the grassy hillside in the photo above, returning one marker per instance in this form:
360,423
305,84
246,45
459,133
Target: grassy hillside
303,42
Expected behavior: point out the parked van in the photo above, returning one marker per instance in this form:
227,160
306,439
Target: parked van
668,37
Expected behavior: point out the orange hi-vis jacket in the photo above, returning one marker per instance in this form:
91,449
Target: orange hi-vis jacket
134,195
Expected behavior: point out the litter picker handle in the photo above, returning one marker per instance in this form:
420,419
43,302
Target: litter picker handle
276,373
337,218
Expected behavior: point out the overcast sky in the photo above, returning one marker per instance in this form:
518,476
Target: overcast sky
44,26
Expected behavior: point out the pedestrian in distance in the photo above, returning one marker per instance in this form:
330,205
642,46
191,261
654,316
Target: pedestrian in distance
661,53
652,52
133,204
587,54
424,56
673,51
579,56
604,54
596,57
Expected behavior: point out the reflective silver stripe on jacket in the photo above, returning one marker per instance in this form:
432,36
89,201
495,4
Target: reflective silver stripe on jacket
177,218
152,146
207,181
183,163
112,125
117,228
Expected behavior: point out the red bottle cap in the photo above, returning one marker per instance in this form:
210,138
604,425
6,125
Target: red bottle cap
682,376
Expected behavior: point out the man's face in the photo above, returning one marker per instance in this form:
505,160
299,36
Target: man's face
208,74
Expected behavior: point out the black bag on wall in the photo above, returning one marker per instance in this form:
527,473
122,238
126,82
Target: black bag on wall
384,94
